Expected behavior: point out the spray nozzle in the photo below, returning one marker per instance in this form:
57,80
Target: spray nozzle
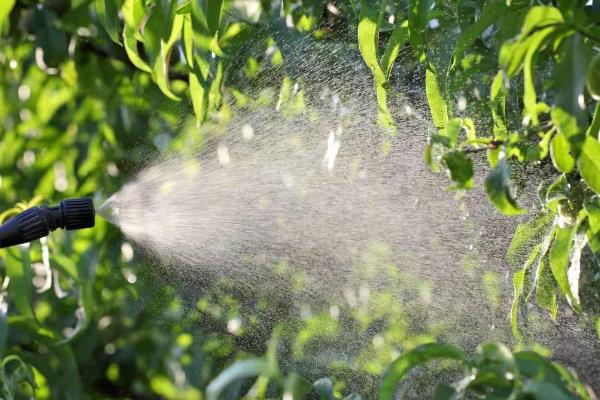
37,222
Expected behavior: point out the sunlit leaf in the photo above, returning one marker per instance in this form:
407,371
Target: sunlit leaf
437,104
107,11
589,163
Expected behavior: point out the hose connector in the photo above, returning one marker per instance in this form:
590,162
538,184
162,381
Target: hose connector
38,222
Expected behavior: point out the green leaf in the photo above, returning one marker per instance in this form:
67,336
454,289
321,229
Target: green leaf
574,271
589,163
412,358
130,44
397,39
238,370
418,20
559,151
161,65
489,16
107,11
461,169
570,74
6,7
594,128
199,96
529,93
592,207
541,16
559,259
498,105
368,30
567,125
545,289
546,390
437,104
18,269
518,282
497,186
324,388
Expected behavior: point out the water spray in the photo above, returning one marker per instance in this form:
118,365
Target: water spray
37,222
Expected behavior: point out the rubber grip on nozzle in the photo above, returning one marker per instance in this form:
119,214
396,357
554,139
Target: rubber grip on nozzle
37,222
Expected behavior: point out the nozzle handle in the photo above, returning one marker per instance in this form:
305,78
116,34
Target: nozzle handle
38,222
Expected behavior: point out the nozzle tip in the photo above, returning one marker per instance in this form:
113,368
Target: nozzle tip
78,213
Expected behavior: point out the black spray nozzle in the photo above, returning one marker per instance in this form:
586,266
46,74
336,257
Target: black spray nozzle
37,222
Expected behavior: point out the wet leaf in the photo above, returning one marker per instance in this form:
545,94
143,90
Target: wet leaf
410,359
589,163
437,104
238,370
497,186
461,169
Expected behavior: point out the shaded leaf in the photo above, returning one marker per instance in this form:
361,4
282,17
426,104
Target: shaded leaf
410,359
589,163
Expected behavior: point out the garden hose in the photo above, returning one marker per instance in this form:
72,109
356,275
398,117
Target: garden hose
37,222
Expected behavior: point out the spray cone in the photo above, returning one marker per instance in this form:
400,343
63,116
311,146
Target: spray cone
38,222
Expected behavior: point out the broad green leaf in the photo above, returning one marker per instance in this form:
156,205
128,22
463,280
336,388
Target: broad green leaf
527,234
107,11
497,186
397,39
3,327
512,54
559,151
6,7
546,390
541,16
461,169
412,358
437,104
418,20
569,78
559,259
133,13
238,370
589,163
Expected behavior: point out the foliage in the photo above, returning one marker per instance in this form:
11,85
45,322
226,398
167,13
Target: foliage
79,77
528,68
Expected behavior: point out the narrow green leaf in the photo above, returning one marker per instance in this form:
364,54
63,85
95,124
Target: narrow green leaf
589,163
529,93
497,186
489,16
238,370
397,39
518,281
130,44
199,97
559,259
107,11
574,271
418,20
570,74
437,104
6,7
412,358
18,269
161,65
368,31
498,105
594,128
592,207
